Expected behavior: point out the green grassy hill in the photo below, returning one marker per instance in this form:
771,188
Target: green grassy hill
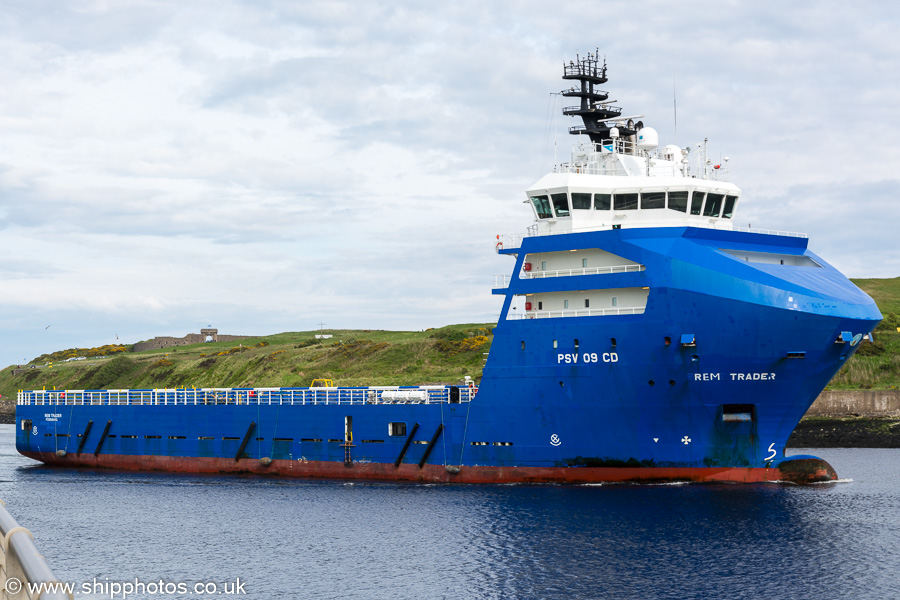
362,357
876,365
885,293
351,357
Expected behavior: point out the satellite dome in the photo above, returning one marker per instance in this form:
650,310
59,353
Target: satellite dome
647,139
671,152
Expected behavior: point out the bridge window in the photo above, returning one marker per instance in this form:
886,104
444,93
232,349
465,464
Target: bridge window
602,201
581,201
728,211
542,207
625,201
697,202
678,201
561,204
653,200
713,205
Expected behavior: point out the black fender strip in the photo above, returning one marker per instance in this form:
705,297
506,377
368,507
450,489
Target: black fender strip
430,445
245,441
409,440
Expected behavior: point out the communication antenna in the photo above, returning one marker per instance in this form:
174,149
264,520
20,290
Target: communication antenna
674,103
550,129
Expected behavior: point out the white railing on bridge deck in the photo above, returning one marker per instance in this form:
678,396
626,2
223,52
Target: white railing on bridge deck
436,394
796,234
511,241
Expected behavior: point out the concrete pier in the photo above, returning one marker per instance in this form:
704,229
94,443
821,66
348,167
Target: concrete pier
863,403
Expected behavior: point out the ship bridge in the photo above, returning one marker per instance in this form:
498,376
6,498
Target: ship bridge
606,186
618,176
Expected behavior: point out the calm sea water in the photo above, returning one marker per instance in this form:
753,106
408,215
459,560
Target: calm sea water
325,539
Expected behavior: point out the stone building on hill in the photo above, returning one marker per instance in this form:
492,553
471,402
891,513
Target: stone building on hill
205,335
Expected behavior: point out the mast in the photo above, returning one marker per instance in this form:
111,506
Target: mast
595,111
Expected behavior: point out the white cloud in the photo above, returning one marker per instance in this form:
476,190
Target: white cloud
263,166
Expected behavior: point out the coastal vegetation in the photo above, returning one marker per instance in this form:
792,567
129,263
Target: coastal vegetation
349,358
876,365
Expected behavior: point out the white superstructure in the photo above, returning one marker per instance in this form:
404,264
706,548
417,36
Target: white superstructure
622,184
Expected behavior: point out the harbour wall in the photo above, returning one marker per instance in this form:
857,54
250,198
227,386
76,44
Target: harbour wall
863,403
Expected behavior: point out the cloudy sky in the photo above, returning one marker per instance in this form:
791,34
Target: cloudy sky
267,166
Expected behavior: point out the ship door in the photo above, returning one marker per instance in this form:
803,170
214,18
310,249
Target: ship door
348,430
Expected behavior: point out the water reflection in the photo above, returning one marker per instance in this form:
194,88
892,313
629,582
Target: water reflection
331,539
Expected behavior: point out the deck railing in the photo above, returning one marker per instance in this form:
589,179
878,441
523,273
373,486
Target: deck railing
584,271
503,281
512,241
262,396
581,312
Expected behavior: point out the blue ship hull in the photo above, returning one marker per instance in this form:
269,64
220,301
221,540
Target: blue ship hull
706,384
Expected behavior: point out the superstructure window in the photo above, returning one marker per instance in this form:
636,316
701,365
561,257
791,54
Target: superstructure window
678,201
653,200
395,429
697,202
581,201
625,201
713,205
728,211
542,207
602,201
561,204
